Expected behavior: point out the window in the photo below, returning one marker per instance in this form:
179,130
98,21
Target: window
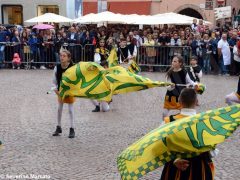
12,14
102,6
47,9
209,5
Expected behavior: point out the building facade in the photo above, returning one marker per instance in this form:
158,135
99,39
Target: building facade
17,11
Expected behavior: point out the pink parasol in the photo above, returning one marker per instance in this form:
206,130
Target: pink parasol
43,26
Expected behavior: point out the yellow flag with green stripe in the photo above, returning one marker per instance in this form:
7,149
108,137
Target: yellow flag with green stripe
113,61
183,138
90,80
112,58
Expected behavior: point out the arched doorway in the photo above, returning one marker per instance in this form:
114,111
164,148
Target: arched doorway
191,12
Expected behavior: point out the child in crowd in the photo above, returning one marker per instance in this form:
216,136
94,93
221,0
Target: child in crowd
199,167
195,71
65,59
16,62
179,76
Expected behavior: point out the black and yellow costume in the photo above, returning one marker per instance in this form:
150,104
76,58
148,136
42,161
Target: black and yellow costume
171,97
200,167
193,75
104,53
123,54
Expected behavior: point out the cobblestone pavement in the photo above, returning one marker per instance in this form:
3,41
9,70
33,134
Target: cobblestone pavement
28,119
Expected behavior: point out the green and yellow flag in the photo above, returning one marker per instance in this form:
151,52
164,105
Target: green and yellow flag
113,61
183,138
134,67
112,58
90,80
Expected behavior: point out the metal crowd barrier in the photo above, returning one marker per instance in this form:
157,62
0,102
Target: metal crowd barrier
162,56
88,52
155,56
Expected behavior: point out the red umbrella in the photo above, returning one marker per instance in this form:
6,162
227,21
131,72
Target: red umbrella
43,26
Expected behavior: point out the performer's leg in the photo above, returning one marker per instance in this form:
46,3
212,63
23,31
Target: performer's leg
71,113
165,113
59,117
105,106
97,106
231,98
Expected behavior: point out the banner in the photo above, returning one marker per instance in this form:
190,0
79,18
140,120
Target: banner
223,12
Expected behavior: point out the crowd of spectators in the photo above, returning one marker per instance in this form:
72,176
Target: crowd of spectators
43,46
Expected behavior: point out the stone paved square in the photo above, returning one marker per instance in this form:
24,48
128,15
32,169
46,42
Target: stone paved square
28,119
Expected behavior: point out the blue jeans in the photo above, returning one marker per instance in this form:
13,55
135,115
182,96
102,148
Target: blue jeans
206,63
2,54
223,67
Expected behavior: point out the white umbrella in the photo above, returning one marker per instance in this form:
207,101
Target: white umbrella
87,19
175,18
133,18
103,17
49,17
145,20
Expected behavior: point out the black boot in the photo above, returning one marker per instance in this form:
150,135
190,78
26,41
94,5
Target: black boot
58,131
71,133
97,109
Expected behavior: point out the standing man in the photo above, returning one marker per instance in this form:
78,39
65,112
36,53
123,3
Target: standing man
224,54
214,42
3,39
232,42
75,50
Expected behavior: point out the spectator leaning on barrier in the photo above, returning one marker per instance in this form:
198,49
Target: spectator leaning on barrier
72,41
137,37
197,48
175,41
224,54
206,49
3,35
24,45
17,43
33,43
215,38
150,52
58,42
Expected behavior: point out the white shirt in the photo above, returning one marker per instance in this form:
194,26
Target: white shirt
225,49
236,54
139,40
188,112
